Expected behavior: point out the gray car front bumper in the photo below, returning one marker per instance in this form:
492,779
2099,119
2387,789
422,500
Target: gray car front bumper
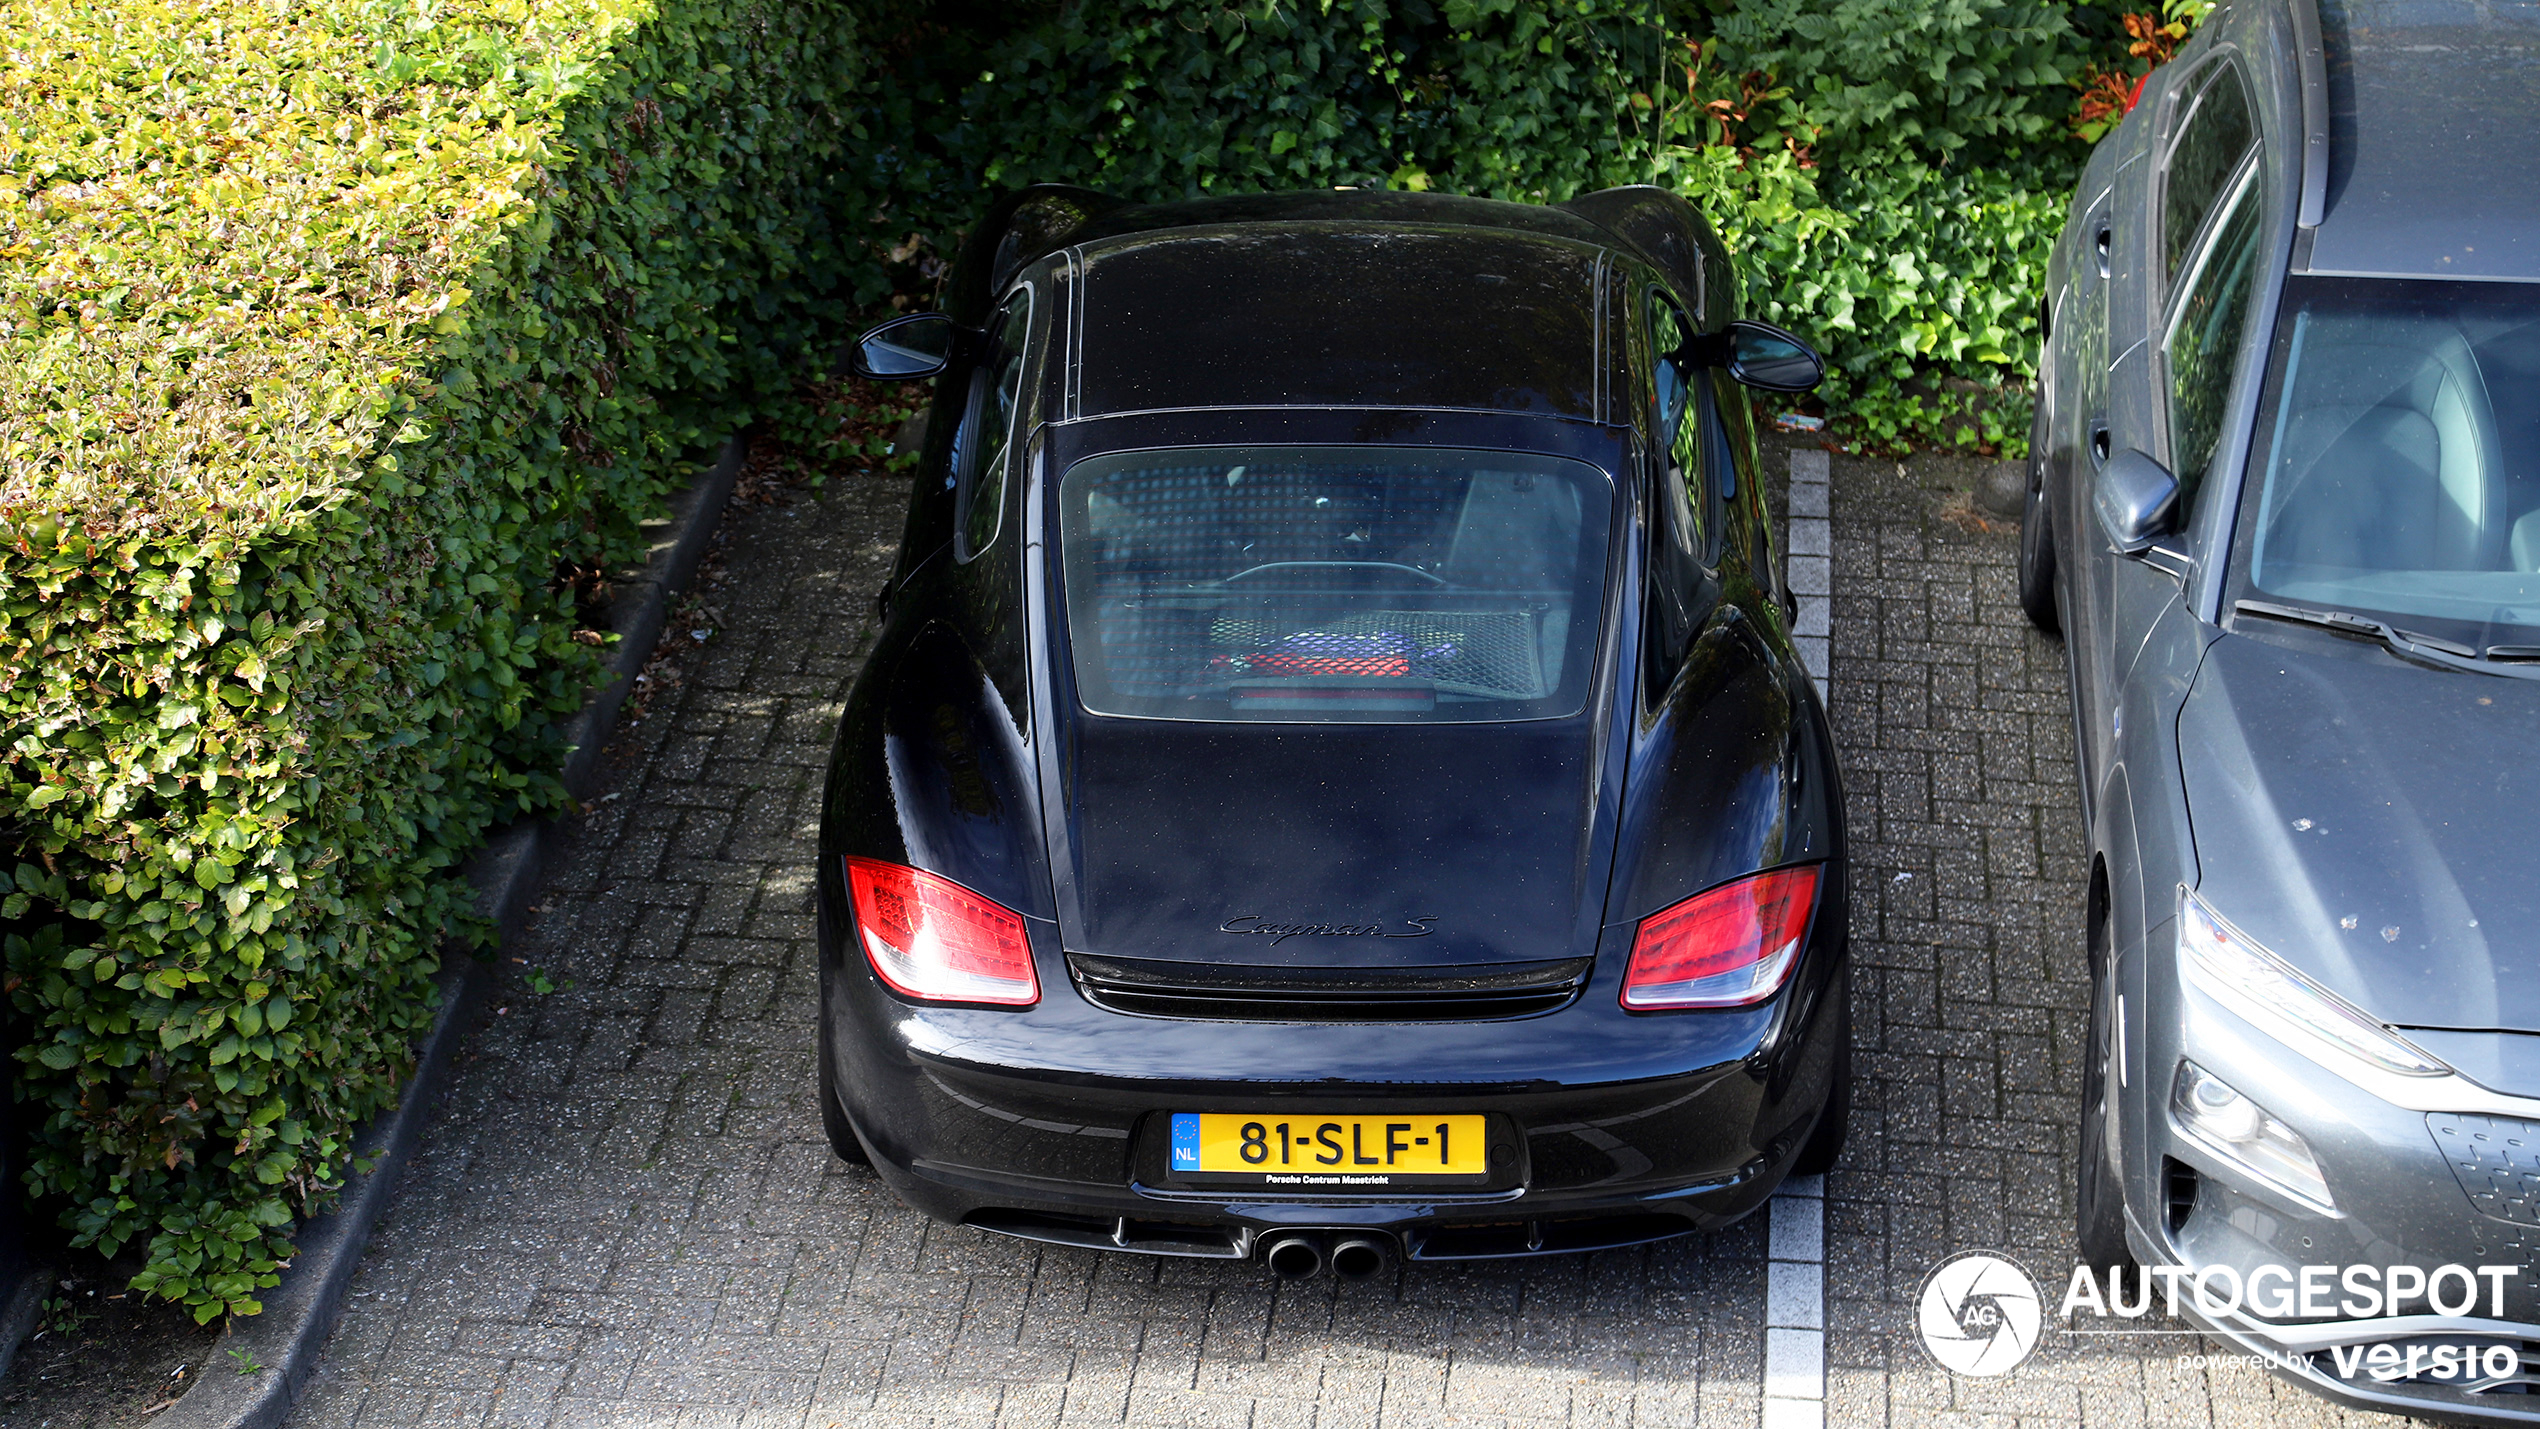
2397,1202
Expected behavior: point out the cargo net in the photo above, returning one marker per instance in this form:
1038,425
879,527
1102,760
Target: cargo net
1483,653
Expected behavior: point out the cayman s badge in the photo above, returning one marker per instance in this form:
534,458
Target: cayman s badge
1254,925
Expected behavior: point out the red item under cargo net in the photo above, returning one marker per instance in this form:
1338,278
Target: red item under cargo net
1386,654
1274,662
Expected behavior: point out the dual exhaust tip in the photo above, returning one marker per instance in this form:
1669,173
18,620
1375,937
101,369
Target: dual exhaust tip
1350,1255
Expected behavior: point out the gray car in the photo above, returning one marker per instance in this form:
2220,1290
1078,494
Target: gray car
2285,506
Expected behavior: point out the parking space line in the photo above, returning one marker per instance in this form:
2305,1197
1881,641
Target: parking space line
1795,1307
1809,546
1795,1269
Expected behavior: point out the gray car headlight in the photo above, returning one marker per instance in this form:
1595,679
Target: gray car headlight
2225,963
2211,1112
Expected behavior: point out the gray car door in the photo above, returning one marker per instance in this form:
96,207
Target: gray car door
2111,424
2080,434
2178,292
2209,247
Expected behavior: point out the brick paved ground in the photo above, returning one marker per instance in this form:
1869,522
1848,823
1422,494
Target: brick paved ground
625,1215
1970,996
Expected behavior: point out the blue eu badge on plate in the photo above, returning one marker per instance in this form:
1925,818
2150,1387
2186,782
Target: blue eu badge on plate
1185,1141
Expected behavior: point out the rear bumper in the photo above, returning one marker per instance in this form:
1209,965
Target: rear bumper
1049,1122
1008,1163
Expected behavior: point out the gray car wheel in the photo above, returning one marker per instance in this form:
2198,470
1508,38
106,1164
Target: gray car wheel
2037,553
2099,1193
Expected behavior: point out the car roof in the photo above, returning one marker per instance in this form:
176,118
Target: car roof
2434,138
1348,300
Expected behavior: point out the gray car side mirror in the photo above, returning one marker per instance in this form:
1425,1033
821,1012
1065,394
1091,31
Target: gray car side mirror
2136,500
919,345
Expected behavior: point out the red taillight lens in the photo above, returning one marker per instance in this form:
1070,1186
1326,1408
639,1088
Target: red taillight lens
1726,948
933,939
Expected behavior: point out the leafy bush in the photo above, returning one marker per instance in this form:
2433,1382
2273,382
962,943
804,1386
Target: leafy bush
338,338
1980,80
1163,99
1895,169
334,334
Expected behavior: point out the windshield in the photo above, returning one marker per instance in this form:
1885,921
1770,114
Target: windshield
1333,583
2399,464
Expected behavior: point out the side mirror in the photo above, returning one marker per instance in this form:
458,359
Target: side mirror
2136,500
1764,357
919,345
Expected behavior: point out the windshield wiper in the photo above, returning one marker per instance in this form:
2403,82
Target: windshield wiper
2520,661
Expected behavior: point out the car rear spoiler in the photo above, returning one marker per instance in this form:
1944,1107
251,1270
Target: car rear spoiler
1674,237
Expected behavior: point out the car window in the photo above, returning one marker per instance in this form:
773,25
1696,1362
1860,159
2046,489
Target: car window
1668,332
2214,131
1679,542
1685,466
2397,466
1313,584
2205,334
980,447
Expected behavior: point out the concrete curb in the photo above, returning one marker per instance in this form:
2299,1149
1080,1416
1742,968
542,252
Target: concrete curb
23,1280
300,1314
21,1310
2002,489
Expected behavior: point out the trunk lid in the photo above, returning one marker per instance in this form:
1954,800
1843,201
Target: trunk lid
1333,846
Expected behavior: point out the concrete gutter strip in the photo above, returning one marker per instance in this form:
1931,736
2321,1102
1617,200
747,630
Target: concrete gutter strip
300,1314
642,607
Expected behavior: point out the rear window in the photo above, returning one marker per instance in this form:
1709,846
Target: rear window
1304,584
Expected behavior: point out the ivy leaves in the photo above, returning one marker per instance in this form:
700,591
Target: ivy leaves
1891,170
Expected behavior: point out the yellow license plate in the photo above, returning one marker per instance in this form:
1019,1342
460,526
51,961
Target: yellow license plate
1318,1148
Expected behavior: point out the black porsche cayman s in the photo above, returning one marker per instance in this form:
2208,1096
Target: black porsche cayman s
1334,780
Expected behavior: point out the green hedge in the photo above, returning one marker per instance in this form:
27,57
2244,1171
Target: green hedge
340,340
336,336
1895,169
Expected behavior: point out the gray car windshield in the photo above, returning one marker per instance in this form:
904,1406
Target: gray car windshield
2397,466
1307,584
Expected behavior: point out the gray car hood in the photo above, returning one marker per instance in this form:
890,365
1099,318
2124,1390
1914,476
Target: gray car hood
2374,823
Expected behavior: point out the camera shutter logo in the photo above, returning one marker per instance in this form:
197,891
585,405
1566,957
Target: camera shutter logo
1979,1314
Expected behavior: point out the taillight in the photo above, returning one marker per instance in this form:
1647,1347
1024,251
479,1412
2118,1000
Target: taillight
932,939
1729,947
